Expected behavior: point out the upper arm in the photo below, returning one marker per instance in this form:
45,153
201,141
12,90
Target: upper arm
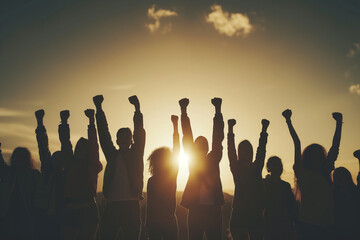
64,135
139,133
218,137
188,139
334,150
43,145
231,150
104,135
261,152
94,148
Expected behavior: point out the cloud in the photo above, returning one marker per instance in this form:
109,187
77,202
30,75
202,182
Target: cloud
355,89
157,15
4,112
229,24
354,50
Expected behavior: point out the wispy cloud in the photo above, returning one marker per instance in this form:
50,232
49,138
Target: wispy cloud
355,89
4,112
230,24
157,15
354,50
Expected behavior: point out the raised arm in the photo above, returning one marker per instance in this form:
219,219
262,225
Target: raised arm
139,131
103,130
176,137
334,150
188,138
231,144
357,155
261,150
64,135
176,143
93,142
298,165
43,142
218,131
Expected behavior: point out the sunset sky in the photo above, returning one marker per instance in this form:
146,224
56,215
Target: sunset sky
261,57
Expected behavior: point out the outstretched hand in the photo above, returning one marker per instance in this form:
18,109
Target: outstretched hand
39,114
231,122
184,102
338,117
135,101
287,114
217,104
174,119
64,116
265,124
90,113
98,99
357,154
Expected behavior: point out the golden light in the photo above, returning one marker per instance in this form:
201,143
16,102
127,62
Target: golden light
183,170
183,160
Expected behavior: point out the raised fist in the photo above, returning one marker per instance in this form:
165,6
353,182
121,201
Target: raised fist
216,101
39,114
287,114
98,99
231,122
184,102
174,119
64,115
357,154
265,123
134,101
337,116
90,113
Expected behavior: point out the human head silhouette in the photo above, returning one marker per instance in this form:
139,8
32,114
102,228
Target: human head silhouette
124,138
201,146
245,152
21,159
57,160
160,161
82,149
274,166
342,177
314,156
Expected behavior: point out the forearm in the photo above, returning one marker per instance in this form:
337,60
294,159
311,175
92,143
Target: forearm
231,148
218,132
187,132
296,140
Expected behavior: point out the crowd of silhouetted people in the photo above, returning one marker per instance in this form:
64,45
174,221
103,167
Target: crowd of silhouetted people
58,202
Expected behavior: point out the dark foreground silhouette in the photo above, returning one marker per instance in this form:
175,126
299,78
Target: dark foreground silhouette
60,201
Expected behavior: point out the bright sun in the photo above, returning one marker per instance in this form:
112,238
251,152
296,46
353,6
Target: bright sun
183,160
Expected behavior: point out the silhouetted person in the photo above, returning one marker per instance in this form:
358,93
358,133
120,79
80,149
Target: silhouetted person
49,199
280,211
161,222
248,204
82,166
123,179
203,194
17,187
312,170
347,203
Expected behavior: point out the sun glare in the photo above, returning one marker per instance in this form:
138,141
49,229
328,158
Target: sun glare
183,160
